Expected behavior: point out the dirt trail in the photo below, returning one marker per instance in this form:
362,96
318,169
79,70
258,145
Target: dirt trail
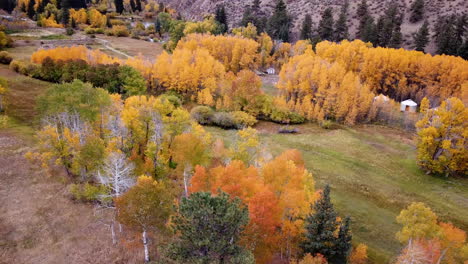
38,222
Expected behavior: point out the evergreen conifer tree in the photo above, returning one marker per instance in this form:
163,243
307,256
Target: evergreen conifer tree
31,11
119,7
65,11
417,11
325,28
306,30
321,229
279,23
363,15
341,30
222,18
132,5
138,5
421,38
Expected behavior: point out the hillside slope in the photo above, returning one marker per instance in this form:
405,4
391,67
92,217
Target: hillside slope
196,9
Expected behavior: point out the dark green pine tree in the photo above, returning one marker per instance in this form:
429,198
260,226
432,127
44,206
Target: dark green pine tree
65,11
421,38
253,14
460,29
31,11
446,35
363,16
417,11
463,50
157,26
132,5
343,243
306,29
41,6
325,27
221,18
387,25
8,5
23,7
397,38
321,227
209,229
119,7
279,22
369,31
138,5
341,29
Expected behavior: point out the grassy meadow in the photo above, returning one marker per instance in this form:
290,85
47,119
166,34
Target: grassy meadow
373,175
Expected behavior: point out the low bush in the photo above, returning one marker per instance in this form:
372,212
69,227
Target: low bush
16,65
70,31
92,31
172,97
5,57
286,117
87,192
242,119
224,120
117,22
326,124
203,114
118,31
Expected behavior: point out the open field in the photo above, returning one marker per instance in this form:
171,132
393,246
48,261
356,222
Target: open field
21,101
373,174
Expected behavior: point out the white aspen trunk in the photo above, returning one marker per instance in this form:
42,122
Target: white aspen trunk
113,233
145,245
186,179
120,227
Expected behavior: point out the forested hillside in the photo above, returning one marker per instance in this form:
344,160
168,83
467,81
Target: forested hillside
298,9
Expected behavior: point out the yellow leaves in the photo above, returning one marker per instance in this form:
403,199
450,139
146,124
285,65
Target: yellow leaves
73,53
419,222
359,255
188,71
250,31
442,139
336,93
208,25
96,19
80,16
50,22
235,53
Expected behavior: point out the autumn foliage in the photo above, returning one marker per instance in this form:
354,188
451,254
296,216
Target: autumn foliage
234,52
278,196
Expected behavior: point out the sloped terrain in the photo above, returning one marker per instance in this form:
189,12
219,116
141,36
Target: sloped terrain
196,9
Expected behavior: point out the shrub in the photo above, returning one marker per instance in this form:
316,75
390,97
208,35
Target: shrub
118,31
87,192
70,31
202,114
326,124
173,98
92,31
242,119
286,117
117,22
224,120
16,65
5,57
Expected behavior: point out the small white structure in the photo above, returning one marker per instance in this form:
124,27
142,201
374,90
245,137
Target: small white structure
408,106
381,98
271,71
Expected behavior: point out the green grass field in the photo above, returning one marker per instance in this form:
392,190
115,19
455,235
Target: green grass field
373,174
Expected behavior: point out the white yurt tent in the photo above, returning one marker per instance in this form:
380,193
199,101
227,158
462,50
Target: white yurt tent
408,106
